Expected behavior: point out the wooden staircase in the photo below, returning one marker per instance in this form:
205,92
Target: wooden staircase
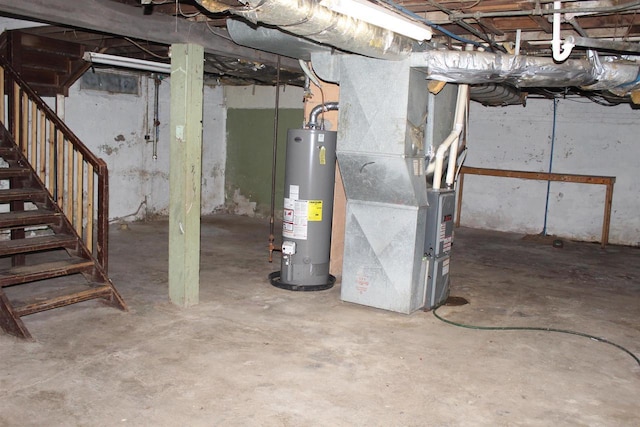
49,66
53,211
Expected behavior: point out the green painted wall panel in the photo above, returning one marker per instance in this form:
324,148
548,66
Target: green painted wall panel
249,154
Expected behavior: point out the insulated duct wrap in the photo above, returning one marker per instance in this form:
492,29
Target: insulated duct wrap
307,18
525,71
493,94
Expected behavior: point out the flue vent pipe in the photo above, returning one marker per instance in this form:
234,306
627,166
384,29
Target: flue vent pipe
315,112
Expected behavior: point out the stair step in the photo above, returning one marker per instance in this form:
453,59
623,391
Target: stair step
29,273
31,244
8,152
42,304
14,172
27,218
22,194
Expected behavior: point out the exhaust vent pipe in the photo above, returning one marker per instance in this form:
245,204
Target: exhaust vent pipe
313,116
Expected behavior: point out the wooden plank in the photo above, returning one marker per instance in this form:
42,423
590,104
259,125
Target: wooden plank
608,181
24,120
542,23
33,139
102,238
21,246
489,25
69,178
59,168
103,291
540,176
123,20
23,194
10,321
16,113
88,239
27,218
52,157
47,61
78,199
7,173
606,221
8,152
40,44
2,88
187,72
42,144
31,273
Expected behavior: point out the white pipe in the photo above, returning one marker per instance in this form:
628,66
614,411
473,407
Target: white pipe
453,151
307,71
458,124
560,52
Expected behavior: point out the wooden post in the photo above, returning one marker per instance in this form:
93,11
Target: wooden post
606,221
187,67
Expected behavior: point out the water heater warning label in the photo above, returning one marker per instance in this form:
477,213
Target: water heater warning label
315,210
296,214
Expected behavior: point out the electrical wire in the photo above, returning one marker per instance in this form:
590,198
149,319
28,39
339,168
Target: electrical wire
460,22
216,32
538,329
309,73
431,24
139,46
120,218
179,10
553,142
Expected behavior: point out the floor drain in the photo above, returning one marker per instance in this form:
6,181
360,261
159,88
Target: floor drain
456,301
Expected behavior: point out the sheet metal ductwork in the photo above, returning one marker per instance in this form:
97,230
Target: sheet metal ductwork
495,95
307,18
619,77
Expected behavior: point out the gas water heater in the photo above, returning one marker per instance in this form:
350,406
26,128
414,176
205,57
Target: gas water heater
308,210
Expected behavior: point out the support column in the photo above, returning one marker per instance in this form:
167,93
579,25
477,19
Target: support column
187,67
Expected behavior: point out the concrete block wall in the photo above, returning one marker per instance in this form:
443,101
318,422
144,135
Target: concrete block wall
590,139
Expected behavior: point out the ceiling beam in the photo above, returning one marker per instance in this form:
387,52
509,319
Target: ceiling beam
120,19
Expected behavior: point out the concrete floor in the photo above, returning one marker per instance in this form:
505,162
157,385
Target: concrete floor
253,355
